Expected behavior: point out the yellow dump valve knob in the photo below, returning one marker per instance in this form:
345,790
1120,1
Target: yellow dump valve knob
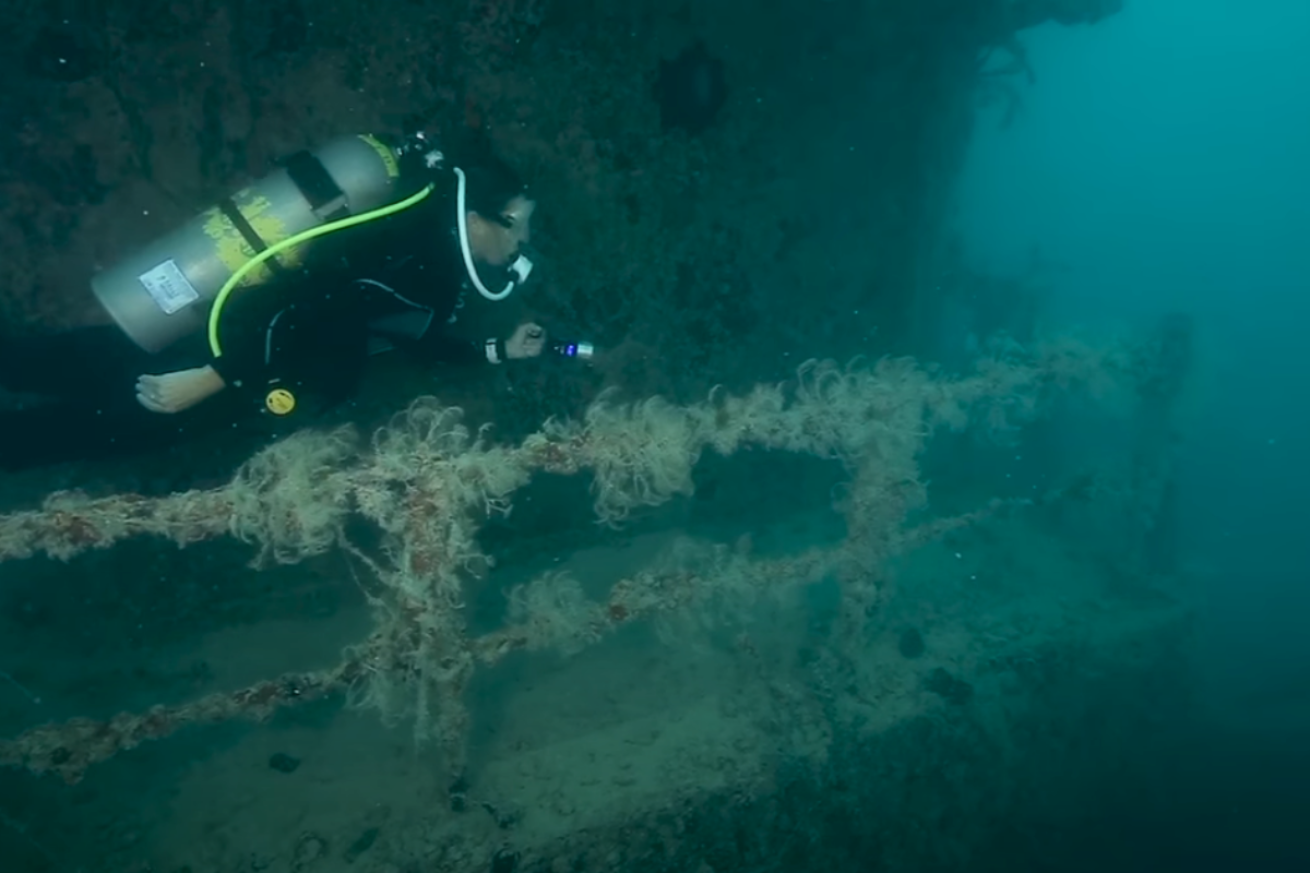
280,401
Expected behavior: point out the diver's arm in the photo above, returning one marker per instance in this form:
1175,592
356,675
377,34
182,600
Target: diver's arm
438,347
234,368
527,341
316,344
178,391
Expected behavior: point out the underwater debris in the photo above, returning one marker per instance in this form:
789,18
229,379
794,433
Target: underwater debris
910,645
690,90
362,844
283,763
949,688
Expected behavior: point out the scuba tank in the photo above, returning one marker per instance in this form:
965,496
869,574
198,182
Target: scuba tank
164,291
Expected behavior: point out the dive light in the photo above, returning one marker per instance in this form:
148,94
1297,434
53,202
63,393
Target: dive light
579,350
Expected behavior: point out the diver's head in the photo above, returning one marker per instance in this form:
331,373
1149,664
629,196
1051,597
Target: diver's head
498,210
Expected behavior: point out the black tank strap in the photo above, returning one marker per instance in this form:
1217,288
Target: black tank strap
317,185
314,181
233,214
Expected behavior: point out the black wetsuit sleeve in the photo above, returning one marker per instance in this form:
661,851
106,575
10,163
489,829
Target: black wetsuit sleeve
440,347
426,277
315,343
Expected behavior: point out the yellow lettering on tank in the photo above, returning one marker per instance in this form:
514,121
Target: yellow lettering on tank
385,153
271,227
231,247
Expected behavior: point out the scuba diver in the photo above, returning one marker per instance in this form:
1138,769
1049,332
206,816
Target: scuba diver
269,304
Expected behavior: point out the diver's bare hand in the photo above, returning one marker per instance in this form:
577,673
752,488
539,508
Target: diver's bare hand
174,392
527,341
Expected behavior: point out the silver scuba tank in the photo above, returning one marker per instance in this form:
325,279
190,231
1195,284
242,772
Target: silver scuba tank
163,291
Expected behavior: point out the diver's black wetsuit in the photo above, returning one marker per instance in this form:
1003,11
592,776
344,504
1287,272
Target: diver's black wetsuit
391,283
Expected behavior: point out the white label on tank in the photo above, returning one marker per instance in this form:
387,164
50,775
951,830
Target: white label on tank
168,287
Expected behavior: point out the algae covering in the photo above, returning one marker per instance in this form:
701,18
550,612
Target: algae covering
775,634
